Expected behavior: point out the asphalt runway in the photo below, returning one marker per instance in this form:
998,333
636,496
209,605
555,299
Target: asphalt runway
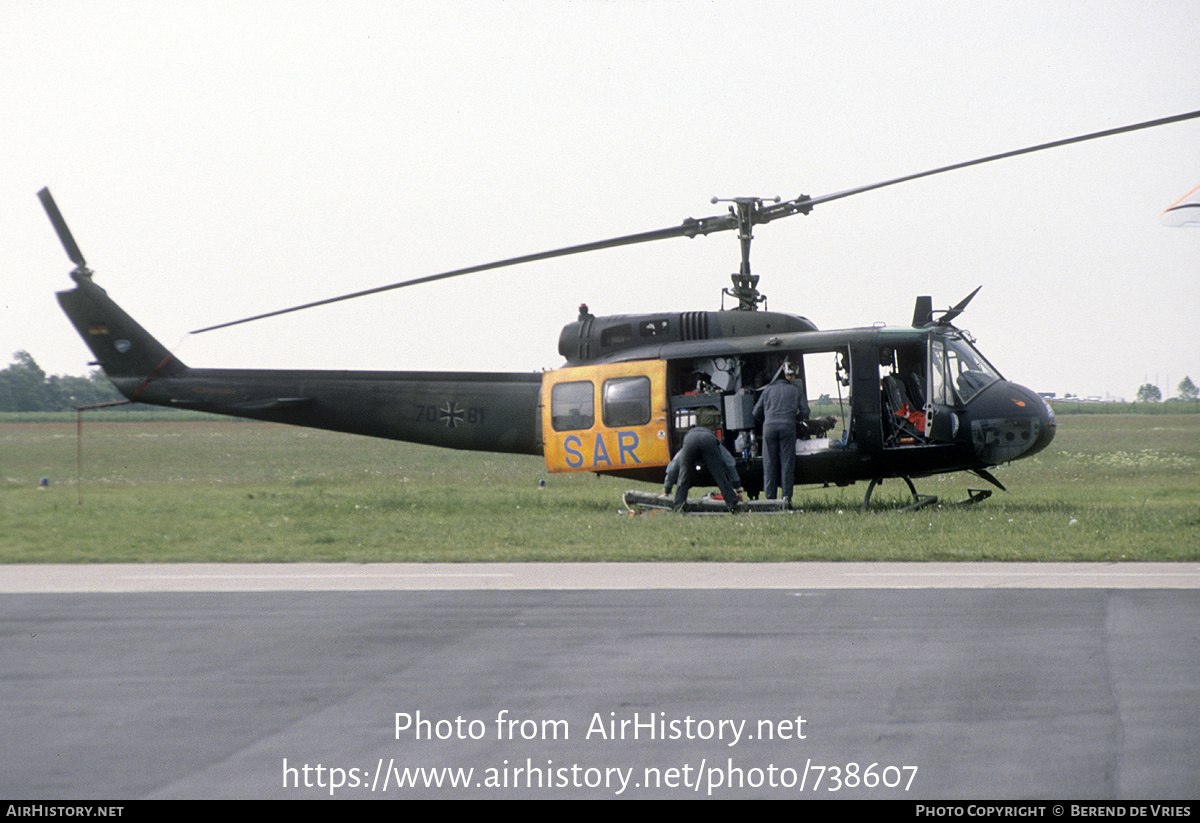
915,681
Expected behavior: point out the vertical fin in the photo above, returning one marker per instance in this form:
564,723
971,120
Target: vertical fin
121,346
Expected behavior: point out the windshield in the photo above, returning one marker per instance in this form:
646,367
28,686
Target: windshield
958,370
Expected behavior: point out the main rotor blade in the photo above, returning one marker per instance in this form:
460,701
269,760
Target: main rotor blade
688,228
958,308
60,226
825,198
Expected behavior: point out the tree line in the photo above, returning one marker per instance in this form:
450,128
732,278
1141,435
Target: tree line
25,387
1150,393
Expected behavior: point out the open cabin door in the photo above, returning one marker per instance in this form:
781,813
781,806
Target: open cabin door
606,418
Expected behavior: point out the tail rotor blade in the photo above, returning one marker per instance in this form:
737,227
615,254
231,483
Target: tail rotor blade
60,226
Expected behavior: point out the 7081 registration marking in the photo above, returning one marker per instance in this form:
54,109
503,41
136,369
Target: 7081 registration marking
449,414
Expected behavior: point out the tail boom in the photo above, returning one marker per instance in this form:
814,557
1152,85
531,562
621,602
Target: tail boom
464,410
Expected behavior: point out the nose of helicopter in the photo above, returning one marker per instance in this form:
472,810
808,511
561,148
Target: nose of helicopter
1008,422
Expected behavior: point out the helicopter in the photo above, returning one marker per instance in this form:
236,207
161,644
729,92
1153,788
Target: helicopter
921,399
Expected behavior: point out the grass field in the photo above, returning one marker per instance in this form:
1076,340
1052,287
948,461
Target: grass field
1110,488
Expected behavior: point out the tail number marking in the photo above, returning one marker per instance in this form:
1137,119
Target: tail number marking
448,414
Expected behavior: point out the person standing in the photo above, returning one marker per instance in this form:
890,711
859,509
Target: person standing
779,407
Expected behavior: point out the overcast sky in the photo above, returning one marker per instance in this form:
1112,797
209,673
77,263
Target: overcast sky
216,160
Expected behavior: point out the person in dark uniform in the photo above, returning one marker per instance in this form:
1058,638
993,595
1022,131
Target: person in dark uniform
673,471
702,448
781,404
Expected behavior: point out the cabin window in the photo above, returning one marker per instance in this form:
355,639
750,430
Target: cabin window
626,401
572,406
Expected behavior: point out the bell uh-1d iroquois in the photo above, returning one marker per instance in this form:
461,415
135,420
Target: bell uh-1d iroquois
919,399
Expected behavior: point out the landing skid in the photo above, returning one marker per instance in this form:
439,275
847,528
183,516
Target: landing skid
639,501
975,496
920,501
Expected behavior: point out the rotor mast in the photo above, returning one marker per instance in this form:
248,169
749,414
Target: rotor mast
745,210
745,213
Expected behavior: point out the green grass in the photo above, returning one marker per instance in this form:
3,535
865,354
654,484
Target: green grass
1110,487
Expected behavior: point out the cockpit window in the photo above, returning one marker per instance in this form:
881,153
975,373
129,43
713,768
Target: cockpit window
958,371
